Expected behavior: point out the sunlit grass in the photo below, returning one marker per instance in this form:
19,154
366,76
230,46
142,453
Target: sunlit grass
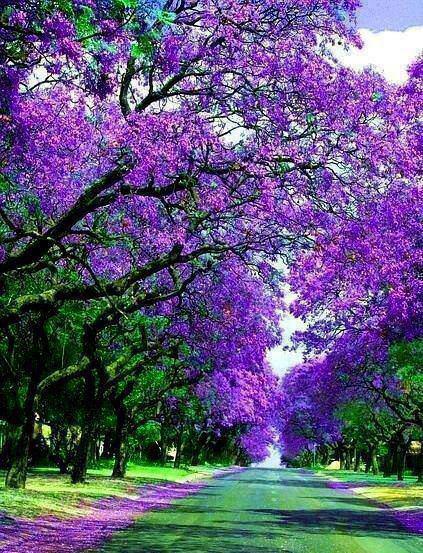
383,490
50,494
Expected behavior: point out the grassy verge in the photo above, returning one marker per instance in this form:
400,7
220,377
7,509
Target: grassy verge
50,494
389,491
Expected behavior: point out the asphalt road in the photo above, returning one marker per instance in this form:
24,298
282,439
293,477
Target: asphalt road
268,511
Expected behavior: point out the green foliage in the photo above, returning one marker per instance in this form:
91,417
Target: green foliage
406,360
166,17
364,424
84,22
310,118
145,45
144,48
125,4
147,433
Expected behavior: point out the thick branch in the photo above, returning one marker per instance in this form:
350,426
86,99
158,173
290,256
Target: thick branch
85,204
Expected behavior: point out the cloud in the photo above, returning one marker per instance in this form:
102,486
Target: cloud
280,358
389,52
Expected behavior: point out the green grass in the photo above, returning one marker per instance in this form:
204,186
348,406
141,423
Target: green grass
49,493
383,490
379,480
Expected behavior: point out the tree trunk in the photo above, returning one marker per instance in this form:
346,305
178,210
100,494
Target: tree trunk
163,452
6,452
18,461
178,456
80,466
402,452
163,445
120,445
373,460
420,465
324,454
357,460
341,458
199,449
389,459
108,445
79,469
18,465
348,459
93,398
195,459
367,461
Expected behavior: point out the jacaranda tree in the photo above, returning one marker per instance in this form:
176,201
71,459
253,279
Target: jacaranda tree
147,145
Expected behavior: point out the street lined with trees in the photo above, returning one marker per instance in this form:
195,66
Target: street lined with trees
159,161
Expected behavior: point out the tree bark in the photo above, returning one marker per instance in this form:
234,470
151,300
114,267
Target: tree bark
420,465
80,466
389,459
402,452
341,458
324,454
18,461
368,463
199,449
88,431
348,459
32,366
120,445
357,460
373,460
178,456
163,445
108,445
18,465
60,447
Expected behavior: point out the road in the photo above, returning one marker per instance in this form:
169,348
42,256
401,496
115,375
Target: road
267,511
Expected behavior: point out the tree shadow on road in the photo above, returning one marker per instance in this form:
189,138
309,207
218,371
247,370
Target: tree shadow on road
294,483
377,523
179,538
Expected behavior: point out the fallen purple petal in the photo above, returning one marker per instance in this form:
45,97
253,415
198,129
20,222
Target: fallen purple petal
106,516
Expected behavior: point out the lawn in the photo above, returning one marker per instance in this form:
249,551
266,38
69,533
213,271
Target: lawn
389,491
49,493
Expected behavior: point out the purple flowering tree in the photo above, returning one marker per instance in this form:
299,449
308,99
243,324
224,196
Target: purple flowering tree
152,151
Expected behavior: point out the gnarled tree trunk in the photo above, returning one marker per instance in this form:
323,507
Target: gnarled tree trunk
18,462
120,444
88,430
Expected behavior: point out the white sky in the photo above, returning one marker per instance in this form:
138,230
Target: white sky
390,53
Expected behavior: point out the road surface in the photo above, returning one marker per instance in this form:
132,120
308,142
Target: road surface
267,511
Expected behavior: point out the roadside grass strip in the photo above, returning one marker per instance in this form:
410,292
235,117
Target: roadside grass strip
403,499
93,522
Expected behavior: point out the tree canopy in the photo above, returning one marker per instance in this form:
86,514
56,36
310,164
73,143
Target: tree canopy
158,158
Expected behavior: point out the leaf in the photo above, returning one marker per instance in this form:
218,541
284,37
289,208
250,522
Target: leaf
310,118
165,17
84,25
144,47
126,4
